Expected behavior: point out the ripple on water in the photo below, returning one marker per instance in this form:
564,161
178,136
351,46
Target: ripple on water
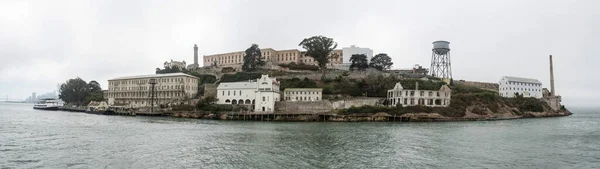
70,140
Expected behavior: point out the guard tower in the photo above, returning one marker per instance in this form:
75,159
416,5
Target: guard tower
440,60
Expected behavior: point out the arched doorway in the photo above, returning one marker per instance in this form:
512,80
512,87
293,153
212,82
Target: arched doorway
234,102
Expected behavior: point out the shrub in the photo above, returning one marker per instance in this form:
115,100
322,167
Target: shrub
240,76
227,69
301,66
297,83
183,107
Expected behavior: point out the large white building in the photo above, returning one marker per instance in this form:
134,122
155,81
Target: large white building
262,93
430,98
135,91
303,94
352,50
509,86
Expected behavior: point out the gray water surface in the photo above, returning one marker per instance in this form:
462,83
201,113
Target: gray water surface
53,139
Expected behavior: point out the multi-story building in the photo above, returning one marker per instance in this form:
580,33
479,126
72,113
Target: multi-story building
236,59
353,50
175,64
431,98
509,86
261,93
135,91
303,94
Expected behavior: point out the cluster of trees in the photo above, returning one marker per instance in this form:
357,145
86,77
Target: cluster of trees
380,62
320,48
78,92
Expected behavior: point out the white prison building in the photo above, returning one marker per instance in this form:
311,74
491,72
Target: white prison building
509,86
262,93
430,98
303,94
135,91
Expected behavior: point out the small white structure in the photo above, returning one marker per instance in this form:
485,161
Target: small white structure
509,86
431,98
303,94
175,64
262,93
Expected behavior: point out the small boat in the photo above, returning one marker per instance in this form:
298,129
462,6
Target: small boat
47,104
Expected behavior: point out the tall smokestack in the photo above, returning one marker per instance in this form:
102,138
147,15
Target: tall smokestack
552,92
195,54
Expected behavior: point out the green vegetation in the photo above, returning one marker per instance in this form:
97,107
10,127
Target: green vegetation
252,59
320,48
359,62
227,70
301,66
77,91
423,84
297,83
381,62
240,76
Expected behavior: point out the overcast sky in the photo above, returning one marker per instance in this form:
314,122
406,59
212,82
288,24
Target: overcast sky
43,43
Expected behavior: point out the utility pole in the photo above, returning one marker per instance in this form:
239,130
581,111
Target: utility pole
152,83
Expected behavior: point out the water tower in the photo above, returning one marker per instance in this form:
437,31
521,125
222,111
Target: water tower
440,60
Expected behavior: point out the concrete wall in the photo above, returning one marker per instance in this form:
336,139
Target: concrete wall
304,107
356,102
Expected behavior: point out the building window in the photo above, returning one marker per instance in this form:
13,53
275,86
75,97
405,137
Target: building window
228,92
263,98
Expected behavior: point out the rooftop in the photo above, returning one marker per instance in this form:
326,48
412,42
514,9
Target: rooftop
238,85
522,79
153,76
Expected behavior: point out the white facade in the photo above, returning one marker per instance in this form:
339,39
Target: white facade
429,98
262,93
303,94
134,91
173,64
508,86
349,51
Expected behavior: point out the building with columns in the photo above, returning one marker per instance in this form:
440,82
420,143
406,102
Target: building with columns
261,93
135,91
430,98
236,59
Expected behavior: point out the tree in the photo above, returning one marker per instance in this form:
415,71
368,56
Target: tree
94,86
74,91
359,62
381,62
252,59
320,48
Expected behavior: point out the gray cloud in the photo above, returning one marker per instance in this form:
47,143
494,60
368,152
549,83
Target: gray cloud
43,43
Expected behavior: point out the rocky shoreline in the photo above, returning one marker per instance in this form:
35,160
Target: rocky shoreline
377,117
